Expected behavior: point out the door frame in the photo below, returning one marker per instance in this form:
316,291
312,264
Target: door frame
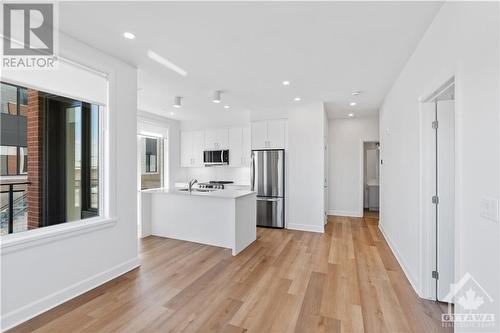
427,250
361,177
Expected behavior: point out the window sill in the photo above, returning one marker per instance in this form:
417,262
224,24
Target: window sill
23,240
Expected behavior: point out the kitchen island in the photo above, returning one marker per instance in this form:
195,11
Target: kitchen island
225,218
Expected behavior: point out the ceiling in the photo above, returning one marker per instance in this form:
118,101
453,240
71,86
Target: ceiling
325,49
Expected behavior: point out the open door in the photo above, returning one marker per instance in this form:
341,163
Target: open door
444,199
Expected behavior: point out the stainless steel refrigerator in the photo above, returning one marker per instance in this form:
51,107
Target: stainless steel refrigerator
268,180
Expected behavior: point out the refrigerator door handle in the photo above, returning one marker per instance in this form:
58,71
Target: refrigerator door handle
268,199
252,179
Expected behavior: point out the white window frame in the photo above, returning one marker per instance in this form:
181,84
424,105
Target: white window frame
31,238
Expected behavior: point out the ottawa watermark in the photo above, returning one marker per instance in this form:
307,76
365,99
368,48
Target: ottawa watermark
466,300
29,36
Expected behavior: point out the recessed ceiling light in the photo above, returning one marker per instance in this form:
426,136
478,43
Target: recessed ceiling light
351,114
352,104
165,62
177,102
217,98
128,35
172,113
297,99
226,106
356,93
286,83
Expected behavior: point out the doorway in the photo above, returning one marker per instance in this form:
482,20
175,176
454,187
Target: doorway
371,172
438,184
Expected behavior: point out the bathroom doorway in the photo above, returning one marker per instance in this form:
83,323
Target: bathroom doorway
371,172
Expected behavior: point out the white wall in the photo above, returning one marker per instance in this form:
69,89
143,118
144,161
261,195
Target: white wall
346,138
304,164
462,41
47,266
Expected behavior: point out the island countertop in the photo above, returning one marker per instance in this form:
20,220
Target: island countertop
224,194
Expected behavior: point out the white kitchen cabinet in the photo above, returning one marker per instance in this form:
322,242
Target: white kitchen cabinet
239,146
192,145
216,139
276,133
198,147
269,134
186,149
259,135
247,146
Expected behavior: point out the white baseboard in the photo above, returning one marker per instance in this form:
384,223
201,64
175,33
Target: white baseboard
400,260
33,309
344,213
307,227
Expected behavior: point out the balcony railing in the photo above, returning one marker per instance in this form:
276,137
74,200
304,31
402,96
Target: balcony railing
14,207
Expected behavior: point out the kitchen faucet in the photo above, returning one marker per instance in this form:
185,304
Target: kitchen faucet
191,183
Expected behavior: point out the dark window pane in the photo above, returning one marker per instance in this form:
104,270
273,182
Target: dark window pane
9,160
23,101
9,99
151,154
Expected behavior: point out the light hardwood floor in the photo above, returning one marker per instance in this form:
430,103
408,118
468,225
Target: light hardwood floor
345,280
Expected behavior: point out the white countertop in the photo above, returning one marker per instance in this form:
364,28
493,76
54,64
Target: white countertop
225,194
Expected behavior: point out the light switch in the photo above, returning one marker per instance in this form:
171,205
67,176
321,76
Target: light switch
489,208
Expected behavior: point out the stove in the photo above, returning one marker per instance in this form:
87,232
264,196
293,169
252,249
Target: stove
215,184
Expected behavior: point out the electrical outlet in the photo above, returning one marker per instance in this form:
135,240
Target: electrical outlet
489,208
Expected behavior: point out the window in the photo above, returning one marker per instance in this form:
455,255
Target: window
151,155
71,146
65,182
9,99
151,162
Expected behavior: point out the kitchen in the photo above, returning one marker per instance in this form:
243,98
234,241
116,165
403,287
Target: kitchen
213,210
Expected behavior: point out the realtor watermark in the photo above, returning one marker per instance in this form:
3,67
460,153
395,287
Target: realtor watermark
466,301
29,36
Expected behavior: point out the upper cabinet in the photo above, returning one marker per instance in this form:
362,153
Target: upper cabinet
239,146
236,139
268,134
216,139
192,146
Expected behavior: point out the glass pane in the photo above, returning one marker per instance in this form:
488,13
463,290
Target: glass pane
23,160
94,156
73,162
8,160
151,162
23,101
9,99
20,208
151,154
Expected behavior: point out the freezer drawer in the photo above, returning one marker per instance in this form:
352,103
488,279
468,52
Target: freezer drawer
270,212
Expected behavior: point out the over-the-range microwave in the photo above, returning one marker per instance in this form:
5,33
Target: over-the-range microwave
216,157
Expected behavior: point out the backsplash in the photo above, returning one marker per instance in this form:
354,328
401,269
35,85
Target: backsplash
239,176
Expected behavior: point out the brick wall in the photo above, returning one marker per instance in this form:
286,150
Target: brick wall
35,158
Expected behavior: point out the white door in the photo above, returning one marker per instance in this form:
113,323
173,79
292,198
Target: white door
186,149
235,146
276,133
259,135
445,146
